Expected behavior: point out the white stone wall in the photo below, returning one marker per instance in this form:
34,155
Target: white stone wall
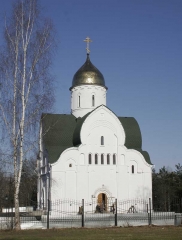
74,178
85,98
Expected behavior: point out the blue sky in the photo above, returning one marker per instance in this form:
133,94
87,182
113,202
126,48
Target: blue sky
137,45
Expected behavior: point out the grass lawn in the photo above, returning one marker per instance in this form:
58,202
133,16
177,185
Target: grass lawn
129,233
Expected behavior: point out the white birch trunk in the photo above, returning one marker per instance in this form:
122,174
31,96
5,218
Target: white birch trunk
28,47
14,139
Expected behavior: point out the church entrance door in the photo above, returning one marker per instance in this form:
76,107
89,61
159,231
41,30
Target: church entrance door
102,201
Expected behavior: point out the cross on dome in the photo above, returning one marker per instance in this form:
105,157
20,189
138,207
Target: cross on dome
87,40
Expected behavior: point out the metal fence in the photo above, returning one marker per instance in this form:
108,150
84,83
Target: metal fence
70,213
168,205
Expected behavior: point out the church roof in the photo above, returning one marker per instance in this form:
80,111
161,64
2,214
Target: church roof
62,131
57,134
88,74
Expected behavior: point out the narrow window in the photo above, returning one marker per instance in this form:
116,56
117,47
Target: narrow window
90,159
132,169
102,140
108,158
102,158
114,159
93,100
96,159
70,165
79,101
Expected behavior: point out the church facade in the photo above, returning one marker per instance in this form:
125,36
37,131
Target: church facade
91,153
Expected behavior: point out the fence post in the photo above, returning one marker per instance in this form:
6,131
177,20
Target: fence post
150,217
116,213
48,209
83,221
48,197
148,214
175,219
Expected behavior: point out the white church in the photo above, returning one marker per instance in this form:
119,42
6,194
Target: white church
91,153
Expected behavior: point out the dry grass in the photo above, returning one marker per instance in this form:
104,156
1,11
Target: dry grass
128,233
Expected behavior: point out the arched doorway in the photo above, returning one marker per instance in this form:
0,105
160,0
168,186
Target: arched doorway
102,201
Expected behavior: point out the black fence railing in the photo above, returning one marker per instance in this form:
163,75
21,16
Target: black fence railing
168,205
110,212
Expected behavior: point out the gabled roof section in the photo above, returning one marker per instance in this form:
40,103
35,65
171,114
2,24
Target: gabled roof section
61,131
57,133
133,136
132,132
76,134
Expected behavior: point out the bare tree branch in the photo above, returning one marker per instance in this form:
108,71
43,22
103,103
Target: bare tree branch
25,81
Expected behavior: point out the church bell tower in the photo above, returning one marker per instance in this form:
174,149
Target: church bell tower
88,89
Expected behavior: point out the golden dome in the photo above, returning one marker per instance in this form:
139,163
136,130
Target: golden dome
88,74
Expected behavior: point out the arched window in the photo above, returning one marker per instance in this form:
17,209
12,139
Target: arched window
102,140
102,158
90,158
70,165
96,159
78,100
132,169
114,159
108,158
93,100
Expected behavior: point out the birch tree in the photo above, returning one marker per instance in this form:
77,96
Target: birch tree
26,88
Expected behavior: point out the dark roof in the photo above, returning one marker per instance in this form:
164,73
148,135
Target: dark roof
132,132
57,131
133,136
61,131
76,134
